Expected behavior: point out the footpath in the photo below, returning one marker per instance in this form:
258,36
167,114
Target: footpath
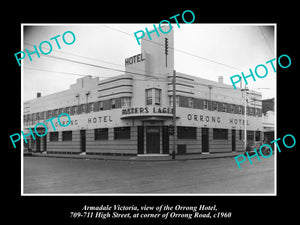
140,158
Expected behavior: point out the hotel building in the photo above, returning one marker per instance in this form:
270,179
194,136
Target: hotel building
130,114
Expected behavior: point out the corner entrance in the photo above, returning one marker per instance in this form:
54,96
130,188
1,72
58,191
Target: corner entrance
153,140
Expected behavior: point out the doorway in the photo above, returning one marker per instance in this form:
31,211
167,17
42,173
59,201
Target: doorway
153,140
205,140
82,141
233,140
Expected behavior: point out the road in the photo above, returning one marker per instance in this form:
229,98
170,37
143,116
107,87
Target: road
44,175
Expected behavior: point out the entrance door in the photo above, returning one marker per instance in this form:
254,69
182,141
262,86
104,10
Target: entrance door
233,139
153,140
82,140
165,140
45,142
205,142
140,141
38,144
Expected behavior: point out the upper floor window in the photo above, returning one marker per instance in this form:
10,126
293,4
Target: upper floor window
148,96
153,96
232,108
157,94
205,104
240,109
101,105
113,103
125,102
190,102
171,101
215,106
224,107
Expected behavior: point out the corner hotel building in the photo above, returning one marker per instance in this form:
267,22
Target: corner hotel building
129,114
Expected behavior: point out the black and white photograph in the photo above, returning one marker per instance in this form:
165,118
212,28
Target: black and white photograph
134,114
99,118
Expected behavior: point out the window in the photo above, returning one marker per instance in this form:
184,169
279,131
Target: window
55,113
113,103
186,132
257,112
100,105
171,101
205,104
122,132
91,107
157,93
240,135
53,136
257,135
101,134
251,111
250,135
149,97
67,136
224,107
240,109
215,106
220,134
232,107
82,108
41,116
125,102
190,102
74,110
68,110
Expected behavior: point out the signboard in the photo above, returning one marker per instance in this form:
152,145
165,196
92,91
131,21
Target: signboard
214,119
134,59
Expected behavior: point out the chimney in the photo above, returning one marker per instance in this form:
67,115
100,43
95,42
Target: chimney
220,79
38,94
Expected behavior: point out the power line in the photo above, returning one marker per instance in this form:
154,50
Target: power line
72,54
97,66
73,74
123,71
262,33
182,51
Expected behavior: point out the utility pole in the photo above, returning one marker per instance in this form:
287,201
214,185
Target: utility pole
174,115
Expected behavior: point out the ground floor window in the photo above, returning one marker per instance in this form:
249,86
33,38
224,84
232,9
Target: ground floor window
250,135
240,135
186,132
101,134
220,134
53,136
122,132
67,136
257,135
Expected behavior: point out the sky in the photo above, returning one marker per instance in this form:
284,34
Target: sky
212,50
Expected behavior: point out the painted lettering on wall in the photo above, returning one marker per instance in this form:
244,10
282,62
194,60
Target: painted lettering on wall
145,110
100,119
202,118
214,119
